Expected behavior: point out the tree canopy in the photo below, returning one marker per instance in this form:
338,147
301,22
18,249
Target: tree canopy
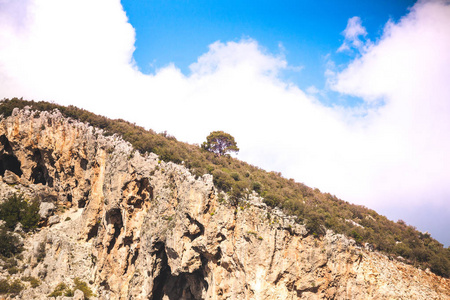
220,142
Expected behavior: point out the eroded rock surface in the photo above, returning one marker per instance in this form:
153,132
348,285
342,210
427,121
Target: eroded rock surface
134,227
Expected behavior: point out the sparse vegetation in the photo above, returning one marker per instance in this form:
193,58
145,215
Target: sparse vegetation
64,289
4,286
9,243
317,210
82,286
13,288
59,290
69,293
9,262
13,270
16,287
15,209
40,252
34,282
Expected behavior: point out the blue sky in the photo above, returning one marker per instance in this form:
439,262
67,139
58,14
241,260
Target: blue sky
307,33
350,97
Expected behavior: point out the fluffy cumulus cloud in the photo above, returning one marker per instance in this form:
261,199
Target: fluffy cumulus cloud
64,47
407,71
393,154
405,75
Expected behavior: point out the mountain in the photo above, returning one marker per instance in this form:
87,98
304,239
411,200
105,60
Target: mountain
118,221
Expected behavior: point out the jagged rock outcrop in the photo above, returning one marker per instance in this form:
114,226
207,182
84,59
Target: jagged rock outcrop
135,227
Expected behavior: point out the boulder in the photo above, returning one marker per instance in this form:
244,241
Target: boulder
20,241
78,295
18,228
10,177
53,220
46,209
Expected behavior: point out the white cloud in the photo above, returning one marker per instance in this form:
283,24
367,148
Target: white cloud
233,55
396,153
352,34
408,69
63,47
312,90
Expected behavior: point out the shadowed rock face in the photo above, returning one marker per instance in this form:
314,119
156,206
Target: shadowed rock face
7,160
136,228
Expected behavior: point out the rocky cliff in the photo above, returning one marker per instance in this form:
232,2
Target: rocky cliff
135,227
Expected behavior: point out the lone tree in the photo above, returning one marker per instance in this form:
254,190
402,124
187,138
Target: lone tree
220,142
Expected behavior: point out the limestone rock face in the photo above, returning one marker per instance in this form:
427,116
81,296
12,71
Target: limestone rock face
134,227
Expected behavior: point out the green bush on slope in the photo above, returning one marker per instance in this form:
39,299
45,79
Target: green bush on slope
13,210
16,209
9,244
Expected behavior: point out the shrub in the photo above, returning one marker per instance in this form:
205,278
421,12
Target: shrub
209,169
40,252
222,180
9,243
11,288
272,200
10,263
256,186
440,265
16,287
314,224
34,282
82,286
403,250
16,209
13,270
235,176
238,191
30,217
4,286
358,238
59,289
63,289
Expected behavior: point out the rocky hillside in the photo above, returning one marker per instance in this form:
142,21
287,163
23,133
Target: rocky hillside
128,226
